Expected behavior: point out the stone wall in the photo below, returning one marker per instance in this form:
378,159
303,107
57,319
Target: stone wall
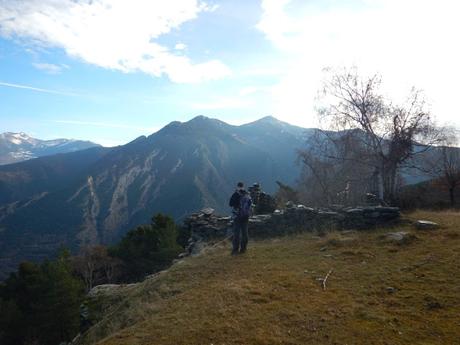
206,227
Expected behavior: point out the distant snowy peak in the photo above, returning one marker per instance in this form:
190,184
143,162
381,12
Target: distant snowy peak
17,138
23,138
56,142
17,147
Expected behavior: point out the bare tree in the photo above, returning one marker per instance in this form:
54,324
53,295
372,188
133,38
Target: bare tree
285,193
450,171
319,175
111,267
443,163
95,266
386,135
333,169
85,265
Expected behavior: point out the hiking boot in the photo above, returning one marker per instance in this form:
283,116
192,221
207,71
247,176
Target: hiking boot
234,252
242,251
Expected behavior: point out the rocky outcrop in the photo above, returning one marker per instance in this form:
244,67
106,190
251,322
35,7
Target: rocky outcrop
205,226
99,302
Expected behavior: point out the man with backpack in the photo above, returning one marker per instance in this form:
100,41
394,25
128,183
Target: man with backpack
241,205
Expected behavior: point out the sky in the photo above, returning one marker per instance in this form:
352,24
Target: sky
112,70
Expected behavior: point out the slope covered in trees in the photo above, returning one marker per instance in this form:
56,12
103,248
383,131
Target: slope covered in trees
42,303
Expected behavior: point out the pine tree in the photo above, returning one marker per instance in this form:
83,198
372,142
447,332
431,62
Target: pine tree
42,303
148,248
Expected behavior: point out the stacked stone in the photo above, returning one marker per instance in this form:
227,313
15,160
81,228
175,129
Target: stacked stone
206,227
369,216
295,218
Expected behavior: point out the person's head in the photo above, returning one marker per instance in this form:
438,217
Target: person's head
240,186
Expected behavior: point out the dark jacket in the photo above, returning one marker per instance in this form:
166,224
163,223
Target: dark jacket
235,199
234,202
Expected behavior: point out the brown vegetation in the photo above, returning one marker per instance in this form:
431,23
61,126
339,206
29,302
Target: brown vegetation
378,293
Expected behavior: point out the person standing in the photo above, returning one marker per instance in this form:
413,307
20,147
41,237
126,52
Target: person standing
241,205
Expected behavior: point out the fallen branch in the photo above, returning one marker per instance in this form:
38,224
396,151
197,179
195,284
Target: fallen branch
325,279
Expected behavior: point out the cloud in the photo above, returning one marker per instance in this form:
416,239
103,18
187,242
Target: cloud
37,89
113,34
411,43
49,67
180,46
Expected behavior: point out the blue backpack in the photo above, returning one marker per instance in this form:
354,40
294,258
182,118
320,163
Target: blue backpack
245,209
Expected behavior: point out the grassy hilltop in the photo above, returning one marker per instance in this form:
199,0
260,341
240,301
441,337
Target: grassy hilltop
379,292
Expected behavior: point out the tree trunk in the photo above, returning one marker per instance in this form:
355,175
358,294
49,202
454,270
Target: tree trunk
452,196
386,184
389,174
393,174
380,186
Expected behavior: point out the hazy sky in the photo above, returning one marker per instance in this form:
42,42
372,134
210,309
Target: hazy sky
111,70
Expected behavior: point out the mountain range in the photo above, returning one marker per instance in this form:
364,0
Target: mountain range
95,195
18,147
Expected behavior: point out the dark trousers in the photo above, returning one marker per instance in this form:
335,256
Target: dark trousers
240,235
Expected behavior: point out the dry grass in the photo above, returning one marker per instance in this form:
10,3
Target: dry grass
378,293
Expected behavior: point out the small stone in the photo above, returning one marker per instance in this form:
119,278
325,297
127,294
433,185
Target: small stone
354,211
323,249
433,305
373,215
426,225
289,204
207,211
396,236
400,237
391,289
330,214
387,209
348,232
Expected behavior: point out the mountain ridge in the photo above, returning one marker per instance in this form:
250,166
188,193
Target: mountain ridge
18,147
178,170
96,195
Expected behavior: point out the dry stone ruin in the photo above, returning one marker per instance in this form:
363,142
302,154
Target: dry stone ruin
206,227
